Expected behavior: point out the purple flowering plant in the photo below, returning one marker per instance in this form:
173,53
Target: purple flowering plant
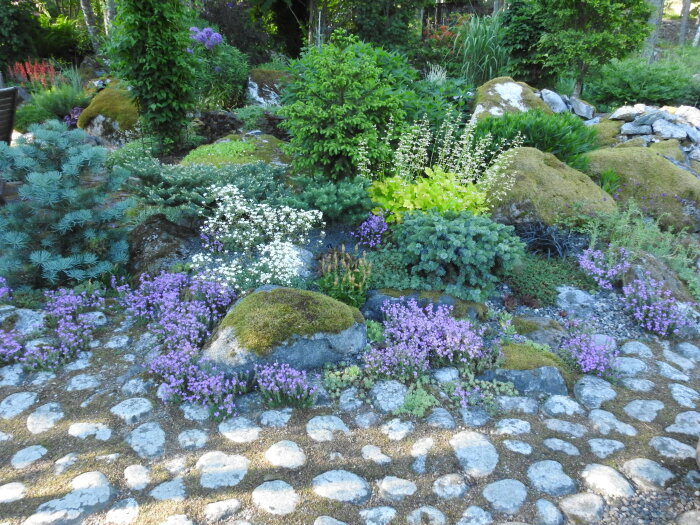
589,354
72,118
605,268
281,385
370,233
206,36
5,290
653,306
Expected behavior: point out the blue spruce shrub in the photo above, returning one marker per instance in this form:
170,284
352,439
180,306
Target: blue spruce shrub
65,227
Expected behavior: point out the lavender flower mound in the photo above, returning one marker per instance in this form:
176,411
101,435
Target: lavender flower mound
72,118
5,290
207,37
605,268
10,349
590,356
281,385
467,397
370,233
417,337
653,306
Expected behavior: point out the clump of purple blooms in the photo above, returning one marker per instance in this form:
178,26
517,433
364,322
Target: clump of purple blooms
5,290
72,118
468,396
206,36
605,268
590,354
281,385
370,233
10,348
653,306
417,337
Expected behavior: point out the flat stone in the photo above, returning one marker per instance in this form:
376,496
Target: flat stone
475,453
582,108
548,513
11,492
91,493
44,418
396,489
221,510
350,399
629,366
28,321
519,447
182,519
5,437
629,128
323,428
12,375
678,360
561,405
671,373
194,412
64,463
512,427
218,469
124,512
396,429
606,481
517,404
647,474
554,101
374,454
637,348
276,418
687,423
474,416
147,440
506,495
27,456
668,130
449,486
637,385
341,485
447,374
566,427
559,445
133,410
474,515
604,448
117,342
626,113
286,454
367,419
388,396
99,431
327,520
575,301
239,430
605,422
275,497
672,448
137,477
691,517
592,391
81,363
82,382
689,351
426,515
684,396
440,418
14,404
583,508
135,387
192,439
173,490
643,410
378,515
548,476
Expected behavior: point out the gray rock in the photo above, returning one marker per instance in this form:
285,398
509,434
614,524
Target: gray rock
687,423
650,116
396,429
637,385
99,431
582,108
566,427
378,515
446,375
27,456
684,396
349,399
666,130
221,510
691,517
27,321
44,418
541,380
81,363
12,375
286,454
147,440
440,418
275,497
322,428
374,454
647,474
606,481
671,448
239,430
327,520
449,486
135,387
367,420
689,351
605,422
637,348
604,448
14,404
628,366
341,485
474,515
276,418
91,492
554,101
475,453
124,512
630,128
561,405
137,477
506,495
388,396
396,489
218,469
643,410
575,301
592,391
133,410
182,519
11,492
519,447
117,342
559,445
426,515
173,490
583,508
94,318
517,404
548,476
626,113
64,463
679,360
474,416
82,382
548,513
192,439
671,373
512,427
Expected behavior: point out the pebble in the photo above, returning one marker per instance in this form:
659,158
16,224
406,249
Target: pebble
133,410
647,474
99,431
342,486
388,396
684,396
671,448
558,405
637,348
396,429
449,486
512,427
506,495
517,404
426,515
474,515
605,422
687,423
11,492
643,410
606,481
323,428
147,440
239,430
276,418
396,489
275,497
441,418
604,448
474,416
475,453
374,453
671,373
592,391
678,360
82,382
64,463
566,427
628,366
559,445
549,477
286,454
44,418
378,515
192,439
173,490
221,510
637,385
548,513
218,469
137,477
194,412
124,512
583,508
27,456
14,404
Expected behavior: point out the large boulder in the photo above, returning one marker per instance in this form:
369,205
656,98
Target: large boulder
547,190
302,328
608,131
505,95
239,149
111,117
664,190
156,244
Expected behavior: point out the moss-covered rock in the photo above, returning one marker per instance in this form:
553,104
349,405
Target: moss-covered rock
548,190
113,103
608,130
527,357
663,190
303,328
636,142
668,148
238,149
505,95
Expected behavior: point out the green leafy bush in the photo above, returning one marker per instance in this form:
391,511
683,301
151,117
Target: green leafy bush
345,201
251,116
62,230
564,134
480,51
18,27
417,402
455,252
61,38
345,277
221,75
131,153
29,114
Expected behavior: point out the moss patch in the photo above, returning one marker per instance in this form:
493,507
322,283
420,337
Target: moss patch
546,189
668,148
461,308
636,142
608,130
523,326
494,104
265,319
651,180
115,103
238,149
525,357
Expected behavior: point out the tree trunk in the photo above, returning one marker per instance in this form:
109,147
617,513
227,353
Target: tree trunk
696,40
91,24
497,6
655,22
110,11
578,83
685,13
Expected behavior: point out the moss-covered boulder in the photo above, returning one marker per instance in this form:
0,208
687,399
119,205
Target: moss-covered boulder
303,328
239,149
668,148
548,190
111,116
505,95
528,357
663,190
608,130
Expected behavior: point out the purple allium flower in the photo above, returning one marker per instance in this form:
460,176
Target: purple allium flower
281,385
371,231
207,37
590,354
605,268
653,306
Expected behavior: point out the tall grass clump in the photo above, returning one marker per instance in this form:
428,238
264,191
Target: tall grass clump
479,49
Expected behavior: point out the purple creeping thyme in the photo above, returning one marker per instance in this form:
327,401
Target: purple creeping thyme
5,290
468,397
281,385
10,348
590,355
605,268
417,337
653,306
370,233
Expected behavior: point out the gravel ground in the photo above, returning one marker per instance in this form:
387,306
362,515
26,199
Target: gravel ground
653,508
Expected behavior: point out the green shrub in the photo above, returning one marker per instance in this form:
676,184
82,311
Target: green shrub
221,75
61,38
252,116
131,153
375,331
61,99
479,48
61,230
345,201
564,134
417,402
19,26
29,114
455,252
344,277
